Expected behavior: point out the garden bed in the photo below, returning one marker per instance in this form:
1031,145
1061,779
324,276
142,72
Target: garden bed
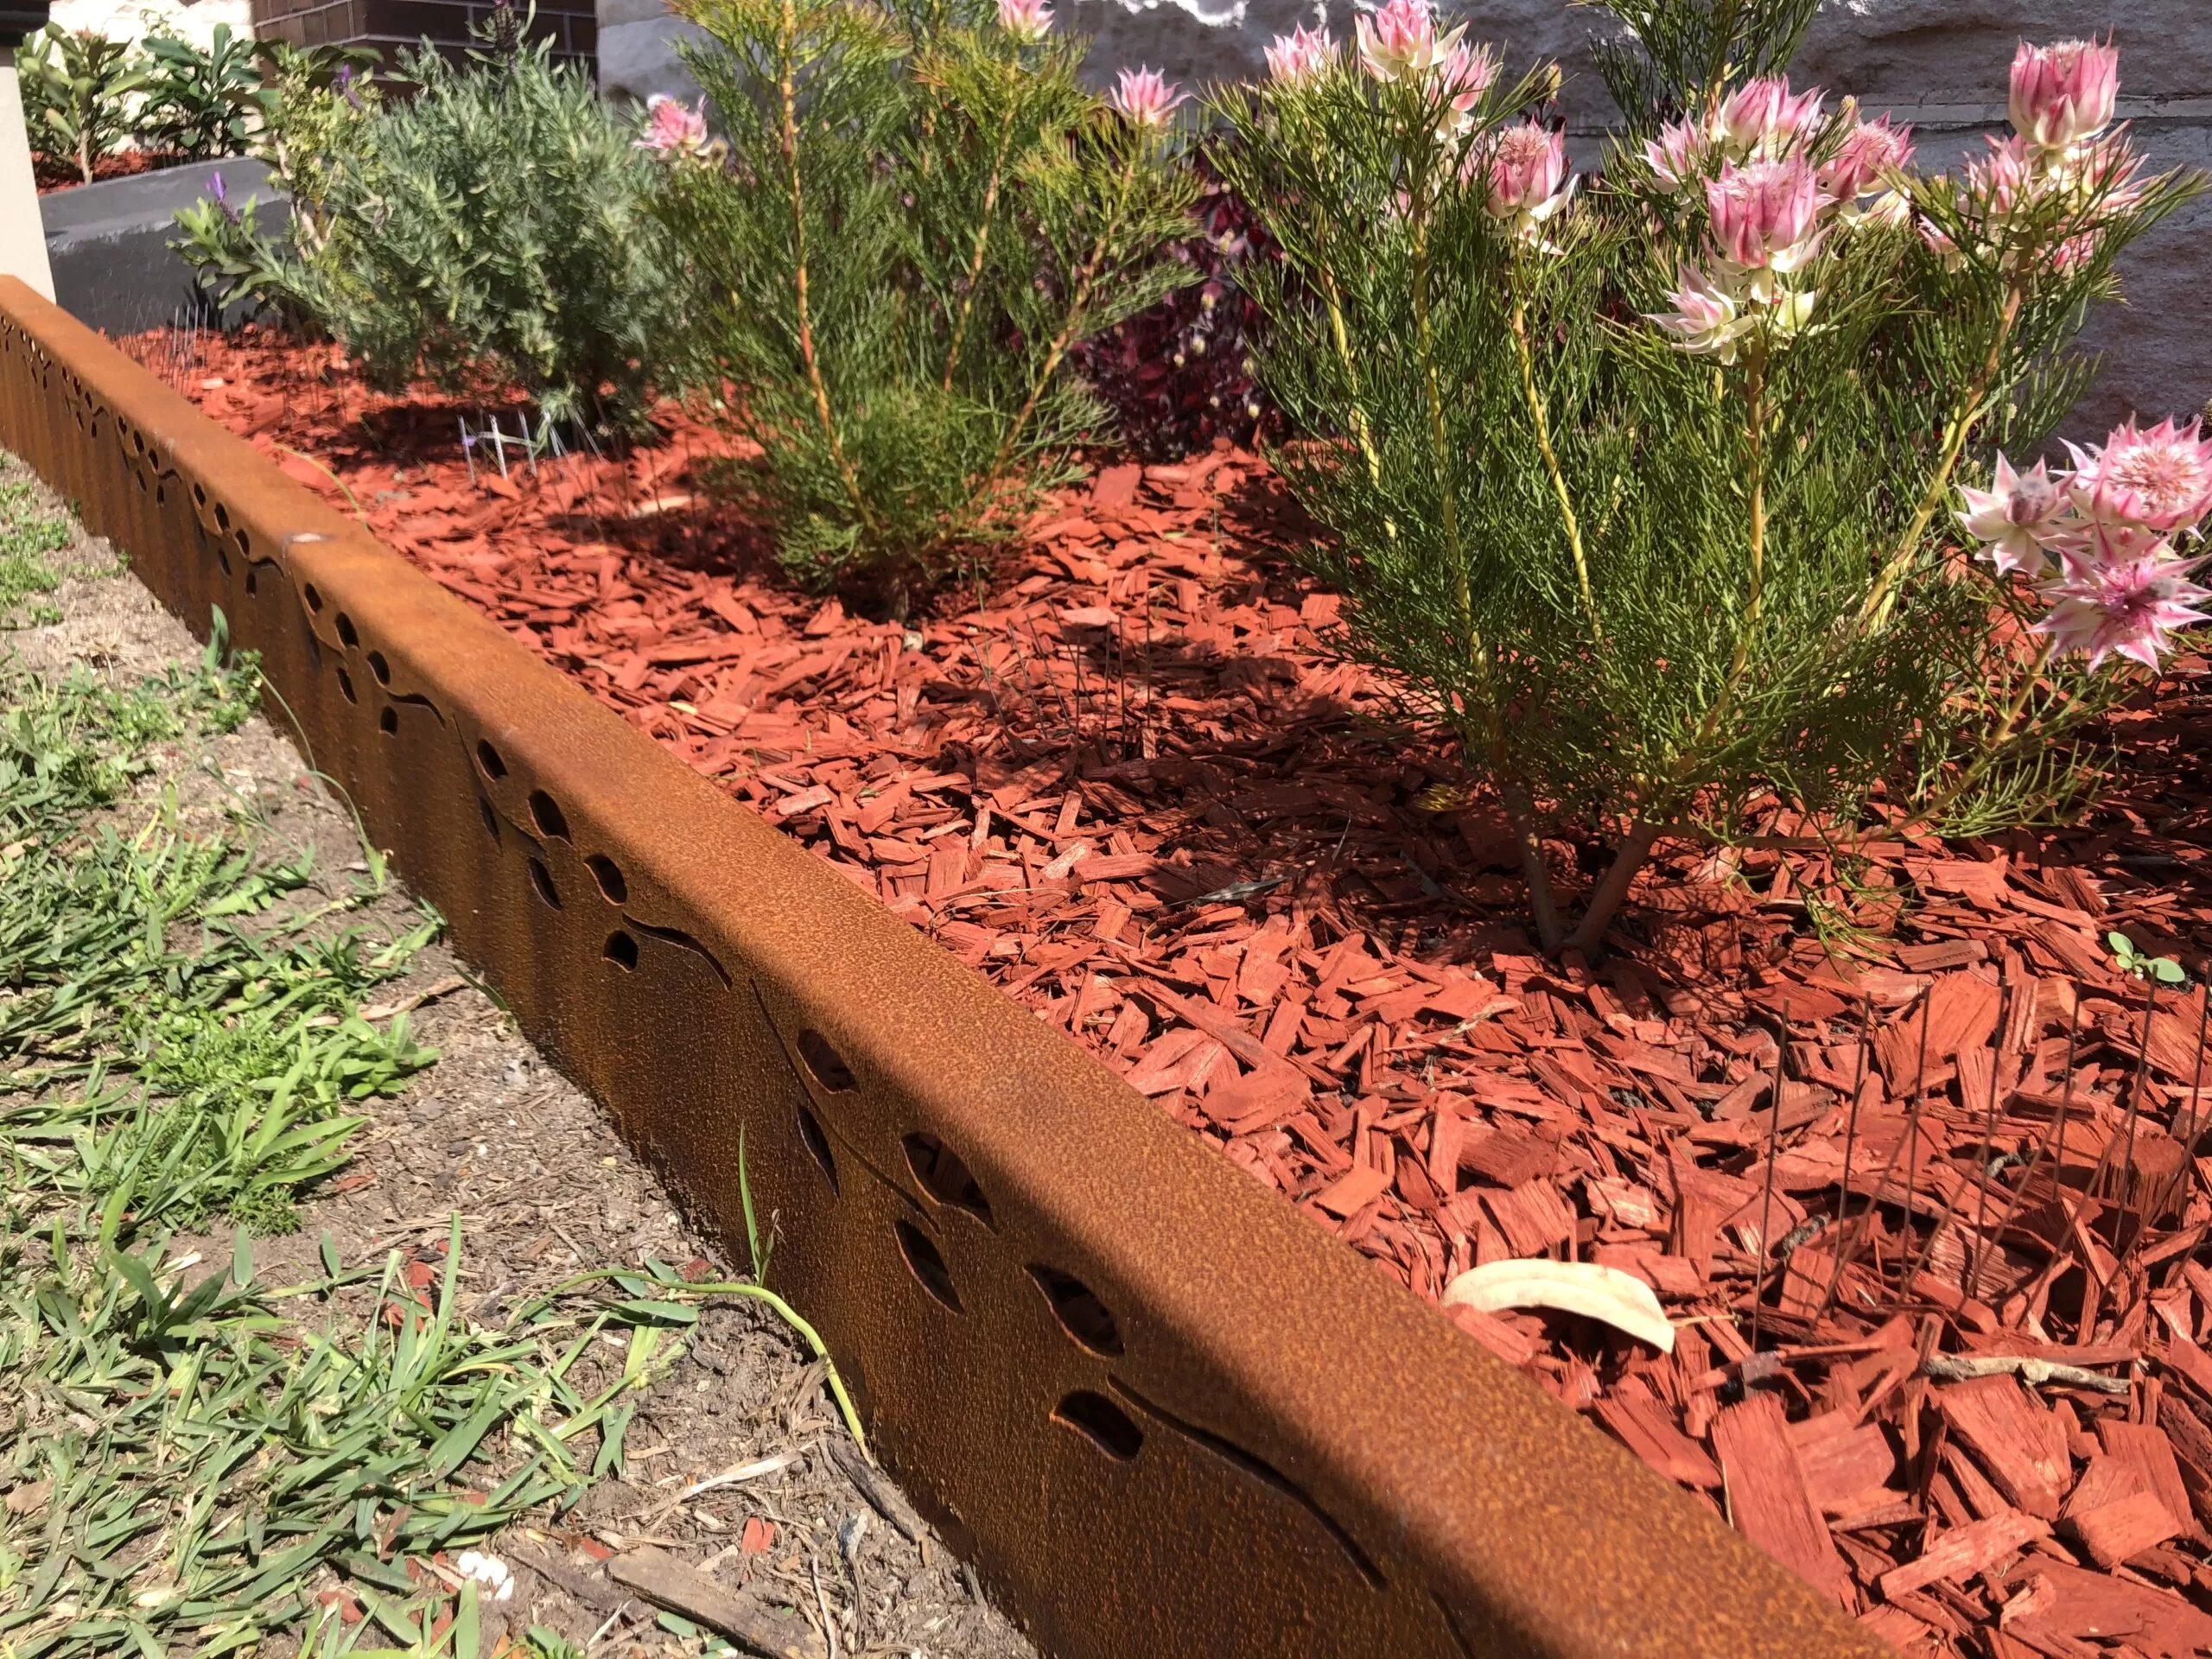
1124,778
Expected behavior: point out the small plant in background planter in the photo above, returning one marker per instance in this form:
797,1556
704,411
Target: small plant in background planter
491,230
914,216
200,104
79,91
1649,492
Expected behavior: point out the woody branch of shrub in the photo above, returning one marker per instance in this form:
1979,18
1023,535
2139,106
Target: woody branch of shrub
1652,494
914,213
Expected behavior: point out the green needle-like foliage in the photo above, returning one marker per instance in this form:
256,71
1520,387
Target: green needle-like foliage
1652,568
913,215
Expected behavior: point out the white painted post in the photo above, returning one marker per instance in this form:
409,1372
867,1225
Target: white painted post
23,234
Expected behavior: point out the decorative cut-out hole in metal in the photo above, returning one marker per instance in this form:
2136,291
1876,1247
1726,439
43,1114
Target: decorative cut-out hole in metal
252,582
223,561
605,871
491,818
1267,1474
222,515
313,595
817,1145
347,633
545,811
828,1065
941,1172
926,1264
1102,1422
1081,1314
387,722
488,757
622,951
346,685
541,881
380,668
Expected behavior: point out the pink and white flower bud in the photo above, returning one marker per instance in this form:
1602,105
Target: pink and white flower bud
2121,599
1525,177
2063,94
1401,40
1465,72
1707,320
1027,21
1765,214
1761,117
2159,480
1301,56
674,129
1873,150
2016,521
1677,157
1146,96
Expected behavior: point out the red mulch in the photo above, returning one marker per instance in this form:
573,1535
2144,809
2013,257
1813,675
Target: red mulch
1127,782
55,173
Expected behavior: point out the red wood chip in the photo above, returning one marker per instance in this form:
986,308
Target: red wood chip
1768,1501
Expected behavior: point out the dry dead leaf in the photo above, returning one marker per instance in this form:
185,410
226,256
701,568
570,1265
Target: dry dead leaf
1620,1300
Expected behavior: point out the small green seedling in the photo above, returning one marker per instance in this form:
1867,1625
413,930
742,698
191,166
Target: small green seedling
2164,970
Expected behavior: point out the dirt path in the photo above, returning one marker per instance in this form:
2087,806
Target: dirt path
544,1188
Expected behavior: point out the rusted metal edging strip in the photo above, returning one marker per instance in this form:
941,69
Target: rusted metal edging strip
1165,1414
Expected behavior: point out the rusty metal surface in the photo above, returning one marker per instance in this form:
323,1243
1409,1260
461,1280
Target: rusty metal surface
1163,1413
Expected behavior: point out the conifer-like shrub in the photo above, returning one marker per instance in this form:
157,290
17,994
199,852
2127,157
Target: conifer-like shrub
912,214
1651,492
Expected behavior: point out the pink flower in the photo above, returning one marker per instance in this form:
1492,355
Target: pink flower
1761,118
1401,40
1707,320
1677,155
2158,480
2024,515
2063,94
1302,55
673,128
1873,150
1940,243
1526,173
1466,73
1763,215
1027,21
1144,97
2124,605
2003,185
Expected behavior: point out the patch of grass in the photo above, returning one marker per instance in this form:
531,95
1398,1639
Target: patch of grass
27,536
193,1459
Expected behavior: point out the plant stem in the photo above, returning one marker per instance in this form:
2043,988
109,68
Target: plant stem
1362,435
1518,808
983,242
1965,413
1079,307
1635,850
1542,420
786,69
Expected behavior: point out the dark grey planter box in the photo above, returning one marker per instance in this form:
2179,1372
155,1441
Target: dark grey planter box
113,268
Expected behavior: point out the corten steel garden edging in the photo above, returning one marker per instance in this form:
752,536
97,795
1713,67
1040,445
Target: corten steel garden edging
1163,1413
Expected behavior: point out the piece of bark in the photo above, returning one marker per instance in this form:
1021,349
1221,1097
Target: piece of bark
587,1582
750,1623
883,1498
2127,1526
1840,1459
1964,1551
2016,1439
1767,1499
